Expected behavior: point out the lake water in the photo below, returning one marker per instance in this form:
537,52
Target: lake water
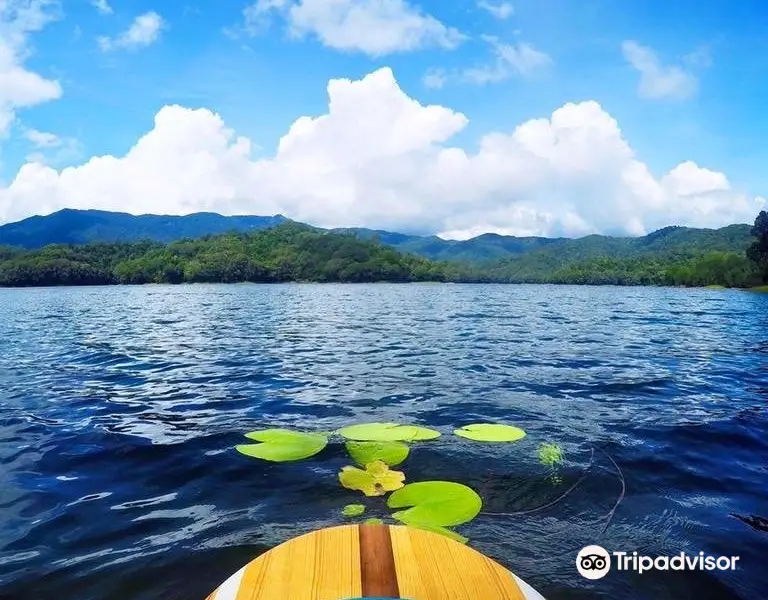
121,406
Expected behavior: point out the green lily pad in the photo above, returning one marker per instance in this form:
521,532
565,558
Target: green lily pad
391,453
550,454
353,510
442,531
490,432
376,480
373,521
388,432
282,445
435,503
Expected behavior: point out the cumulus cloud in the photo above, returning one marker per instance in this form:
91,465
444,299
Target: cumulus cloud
102,6
658,81
144,31
379,158
502,10
20,87
373,27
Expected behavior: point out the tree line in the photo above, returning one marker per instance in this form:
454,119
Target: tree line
294,252
288,252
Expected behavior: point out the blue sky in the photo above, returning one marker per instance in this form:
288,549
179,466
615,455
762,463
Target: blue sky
684,81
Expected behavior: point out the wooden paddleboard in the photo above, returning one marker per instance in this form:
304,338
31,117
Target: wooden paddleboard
373,561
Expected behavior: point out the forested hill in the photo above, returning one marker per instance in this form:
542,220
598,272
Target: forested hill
86,226
287,252
491,247
295,252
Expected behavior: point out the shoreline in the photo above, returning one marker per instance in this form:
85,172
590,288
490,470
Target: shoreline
759,288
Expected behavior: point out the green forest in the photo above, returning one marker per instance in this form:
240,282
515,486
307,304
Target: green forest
296,252
288,252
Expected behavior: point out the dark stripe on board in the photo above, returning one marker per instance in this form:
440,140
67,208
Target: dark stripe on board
377,562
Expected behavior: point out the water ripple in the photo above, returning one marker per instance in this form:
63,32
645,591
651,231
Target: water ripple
120,407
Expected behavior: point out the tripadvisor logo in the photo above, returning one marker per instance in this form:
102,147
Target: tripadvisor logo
594,562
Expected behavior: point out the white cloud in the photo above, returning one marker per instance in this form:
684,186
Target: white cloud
51,149
20,87
42,139
509,59
144,31
102,6
373,27
379,158
656,80
257,16
64,152
502,10
254,11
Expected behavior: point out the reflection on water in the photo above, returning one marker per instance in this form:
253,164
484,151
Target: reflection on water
121,406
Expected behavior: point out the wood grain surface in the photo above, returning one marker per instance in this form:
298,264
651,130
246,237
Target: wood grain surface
354,561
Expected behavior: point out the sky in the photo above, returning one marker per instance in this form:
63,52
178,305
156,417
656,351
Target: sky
527,117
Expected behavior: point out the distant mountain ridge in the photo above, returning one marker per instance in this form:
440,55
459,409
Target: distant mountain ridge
485,247
70,226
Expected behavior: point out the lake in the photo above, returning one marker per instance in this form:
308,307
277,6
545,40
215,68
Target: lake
121,407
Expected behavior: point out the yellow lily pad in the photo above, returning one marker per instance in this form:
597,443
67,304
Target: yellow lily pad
376,480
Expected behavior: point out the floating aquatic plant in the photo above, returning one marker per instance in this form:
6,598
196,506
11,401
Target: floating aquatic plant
431,505
353,510
491,432
440,503
282,445
388,432
374,521
376,480
435,506
550,454
391,453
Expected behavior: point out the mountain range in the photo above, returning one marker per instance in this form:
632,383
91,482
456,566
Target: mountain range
70,226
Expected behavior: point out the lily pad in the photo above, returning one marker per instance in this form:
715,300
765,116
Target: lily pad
376,480
391,453
353,510
373,521
550,454
491,432
435,503
282,445
388,432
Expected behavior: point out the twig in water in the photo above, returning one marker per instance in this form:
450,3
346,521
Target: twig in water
621,496
553,502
